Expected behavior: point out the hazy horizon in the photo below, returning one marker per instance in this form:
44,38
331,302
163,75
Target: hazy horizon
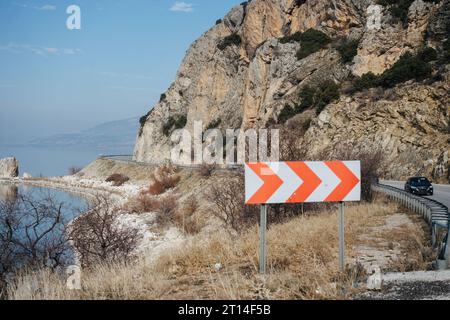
57,81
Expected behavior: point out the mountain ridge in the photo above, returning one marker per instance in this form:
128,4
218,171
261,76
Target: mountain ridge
118,134
280,64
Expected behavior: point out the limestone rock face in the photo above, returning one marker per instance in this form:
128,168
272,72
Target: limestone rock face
408,124
9,168
383,42
248,83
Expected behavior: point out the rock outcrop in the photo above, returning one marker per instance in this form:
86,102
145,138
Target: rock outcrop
248,82
410,122
9,168
8,193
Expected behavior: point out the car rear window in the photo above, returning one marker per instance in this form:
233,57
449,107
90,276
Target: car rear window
421,182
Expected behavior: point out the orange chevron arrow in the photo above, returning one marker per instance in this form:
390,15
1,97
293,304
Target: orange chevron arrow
271,183
348,181
310,182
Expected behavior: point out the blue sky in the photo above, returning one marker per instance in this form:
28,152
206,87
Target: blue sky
55,80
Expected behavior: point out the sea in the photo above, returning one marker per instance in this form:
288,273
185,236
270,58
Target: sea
46,161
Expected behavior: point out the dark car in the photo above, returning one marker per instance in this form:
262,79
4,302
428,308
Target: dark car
420,186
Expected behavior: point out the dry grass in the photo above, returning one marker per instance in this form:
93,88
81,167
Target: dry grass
302,256
189,218
164,178
186,216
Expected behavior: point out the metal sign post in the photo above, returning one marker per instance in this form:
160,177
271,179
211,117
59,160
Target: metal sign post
341,237
302,182
262,240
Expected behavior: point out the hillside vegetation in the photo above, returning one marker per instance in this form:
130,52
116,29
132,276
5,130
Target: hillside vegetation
302,255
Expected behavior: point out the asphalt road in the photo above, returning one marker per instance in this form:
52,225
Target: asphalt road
441,191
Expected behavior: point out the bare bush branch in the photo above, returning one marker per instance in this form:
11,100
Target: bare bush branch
187,218
32,234
99,236
228,200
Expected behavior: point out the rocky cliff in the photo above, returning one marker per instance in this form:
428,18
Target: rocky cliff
265,59
9,168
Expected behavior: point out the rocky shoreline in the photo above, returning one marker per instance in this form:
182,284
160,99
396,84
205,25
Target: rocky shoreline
152,243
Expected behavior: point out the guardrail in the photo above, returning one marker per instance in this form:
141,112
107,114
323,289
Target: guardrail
129,159
435,214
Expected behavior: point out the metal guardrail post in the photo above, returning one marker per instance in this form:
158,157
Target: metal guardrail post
433,235
447,248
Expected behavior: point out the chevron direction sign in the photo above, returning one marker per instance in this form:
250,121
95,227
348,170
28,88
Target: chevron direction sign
301,182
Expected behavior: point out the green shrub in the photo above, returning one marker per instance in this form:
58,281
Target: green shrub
296,37
428,54
408,67
306,101
312,41
174,123
446,45
366,81
307,98
245,3
326,93
142,121
318,98
348,49
287,113
218,21
214,124
446,51
232,39
298,3
399,9
163,97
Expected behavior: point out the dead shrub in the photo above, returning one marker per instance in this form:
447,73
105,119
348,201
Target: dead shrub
156,188
32,235
164,178
117,179
187,219
165,208
228,200
98,235
142,203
